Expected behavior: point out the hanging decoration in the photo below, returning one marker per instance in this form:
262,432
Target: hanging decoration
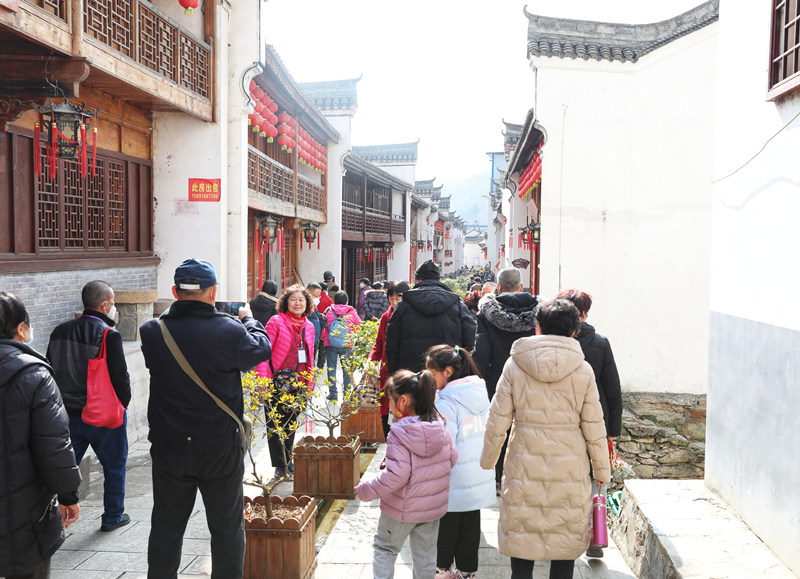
532,175
66,126
189,6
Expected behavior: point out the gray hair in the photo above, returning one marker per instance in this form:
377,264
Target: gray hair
508,279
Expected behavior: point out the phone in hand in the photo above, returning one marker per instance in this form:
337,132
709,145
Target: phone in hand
231,308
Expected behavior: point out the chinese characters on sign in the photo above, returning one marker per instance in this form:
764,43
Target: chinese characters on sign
205,189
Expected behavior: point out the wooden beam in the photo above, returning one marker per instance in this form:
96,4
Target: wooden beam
39,76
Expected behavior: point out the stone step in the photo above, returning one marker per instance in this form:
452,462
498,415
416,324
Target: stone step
669,529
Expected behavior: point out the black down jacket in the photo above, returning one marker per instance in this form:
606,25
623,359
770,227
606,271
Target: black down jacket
264,306
428,315
597,352
502,320
375,304
36,460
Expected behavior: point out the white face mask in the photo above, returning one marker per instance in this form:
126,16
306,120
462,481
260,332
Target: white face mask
316,301
30,337
112,313
361,285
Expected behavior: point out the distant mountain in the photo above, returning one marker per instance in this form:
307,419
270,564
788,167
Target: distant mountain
467,198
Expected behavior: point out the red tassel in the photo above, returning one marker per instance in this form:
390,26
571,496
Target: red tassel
94,151
37,150
82,153
519,242
318,236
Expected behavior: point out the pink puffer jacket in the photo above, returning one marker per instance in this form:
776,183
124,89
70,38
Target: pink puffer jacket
415,485
279,329
343,311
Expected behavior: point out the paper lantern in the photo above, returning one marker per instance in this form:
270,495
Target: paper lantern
189,6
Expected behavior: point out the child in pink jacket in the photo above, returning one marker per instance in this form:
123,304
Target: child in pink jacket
415,483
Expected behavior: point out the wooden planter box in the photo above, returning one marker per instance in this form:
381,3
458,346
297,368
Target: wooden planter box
325,468
366,423
278,548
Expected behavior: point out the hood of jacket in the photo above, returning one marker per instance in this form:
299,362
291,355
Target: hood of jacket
343,309
586,335
424,439
469,392
547,358
430,297
11,360
510,312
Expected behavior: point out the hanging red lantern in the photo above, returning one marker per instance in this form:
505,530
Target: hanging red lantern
283,141
291,144
291,122
273,120
263,128
189,6
283,117
258,93
283,128
256,122
259,108
253,85
291,132
272,107
265,100
272,132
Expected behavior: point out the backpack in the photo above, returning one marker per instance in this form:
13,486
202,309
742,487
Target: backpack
337,333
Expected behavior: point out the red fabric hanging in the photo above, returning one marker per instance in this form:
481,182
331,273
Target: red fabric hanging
53,151
94,151
82,154
319,234
260,257
37,151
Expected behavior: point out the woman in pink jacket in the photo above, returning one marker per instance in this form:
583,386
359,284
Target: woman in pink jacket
292,338
415,483
338,316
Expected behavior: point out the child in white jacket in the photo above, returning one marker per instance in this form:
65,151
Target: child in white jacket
464,404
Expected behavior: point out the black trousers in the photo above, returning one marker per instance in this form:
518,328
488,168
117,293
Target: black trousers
41,571
176,480
459,539
523,569
386,426
498,468
280,451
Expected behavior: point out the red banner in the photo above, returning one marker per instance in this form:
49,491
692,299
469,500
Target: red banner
205,190
439,226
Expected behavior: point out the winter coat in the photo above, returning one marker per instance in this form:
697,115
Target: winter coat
597,352
360,303
548,397
428,315
73,344
36,460
414,486
264,306
502,320
343,311
378,354
219,347
324,303
464,406
375,304
279,330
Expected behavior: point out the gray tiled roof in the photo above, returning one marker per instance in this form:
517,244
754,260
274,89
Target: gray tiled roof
427,189
511,135
333,95
564,38
395,153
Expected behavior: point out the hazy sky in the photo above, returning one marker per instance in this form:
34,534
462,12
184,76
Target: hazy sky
444,72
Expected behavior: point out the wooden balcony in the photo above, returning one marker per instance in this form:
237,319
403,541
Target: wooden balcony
359,224
131,46
272,189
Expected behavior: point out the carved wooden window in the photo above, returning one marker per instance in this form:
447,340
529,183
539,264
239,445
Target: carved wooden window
784,72
72,216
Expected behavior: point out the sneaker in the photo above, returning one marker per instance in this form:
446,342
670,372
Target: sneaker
444,574
596,552
124,520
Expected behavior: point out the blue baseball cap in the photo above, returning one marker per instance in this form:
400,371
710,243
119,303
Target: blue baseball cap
194,274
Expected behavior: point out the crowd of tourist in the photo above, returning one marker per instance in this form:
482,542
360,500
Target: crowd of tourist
497,398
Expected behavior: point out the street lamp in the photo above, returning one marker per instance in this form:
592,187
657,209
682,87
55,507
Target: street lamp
310,232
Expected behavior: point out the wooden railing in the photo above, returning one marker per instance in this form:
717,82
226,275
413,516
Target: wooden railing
398,225
269,178
310,195
57,8
138,30
352,217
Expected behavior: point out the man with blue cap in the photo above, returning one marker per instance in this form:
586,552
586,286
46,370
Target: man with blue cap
196,445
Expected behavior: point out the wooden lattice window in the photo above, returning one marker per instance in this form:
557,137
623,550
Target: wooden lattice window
784,72
72,216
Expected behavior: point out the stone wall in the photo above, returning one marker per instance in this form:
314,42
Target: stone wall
663,435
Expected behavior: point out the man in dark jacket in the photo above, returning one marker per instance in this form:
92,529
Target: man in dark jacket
195,444
72,345
428,315
502,320
265,304
36,458
375,302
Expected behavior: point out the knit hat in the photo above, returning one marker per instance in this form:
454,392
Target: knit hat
428,270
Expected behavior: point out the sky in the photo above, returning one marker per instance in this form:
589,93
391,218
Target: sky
444,72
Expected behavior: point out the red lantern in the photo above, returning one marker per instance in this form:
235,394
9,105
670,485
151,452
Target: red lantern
283,117
253,85
258,93
272,107
283,141
291,144
189,6
291,133
265,100
273,120
291,122
272,132
259,108
257,120
263,127
283,128
250,119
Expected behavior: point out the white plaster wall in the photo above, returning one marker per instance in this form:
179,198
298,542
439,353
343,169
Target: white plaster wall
312,264
397,266
626,207
473,255
404,171
752,457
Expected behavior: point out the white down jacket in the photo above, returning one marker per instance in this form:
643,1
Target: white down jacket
547,395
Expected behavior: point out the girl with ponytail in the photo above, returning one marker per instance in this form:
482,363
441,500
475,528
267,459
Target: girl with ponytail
414,485
464,405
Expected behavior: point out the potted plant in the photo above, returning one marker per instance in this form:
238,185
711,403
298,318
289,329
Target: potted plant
279,532
329,467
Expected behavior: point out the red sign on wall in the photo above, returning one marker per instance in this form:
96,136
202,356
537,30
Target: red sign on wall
205,189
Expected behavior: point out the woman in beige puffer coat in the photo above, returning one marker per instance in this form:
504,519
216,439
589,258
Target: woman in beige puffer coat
547,395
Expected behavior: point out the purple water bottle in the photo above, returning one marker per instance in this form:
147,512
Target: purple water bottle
599,527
